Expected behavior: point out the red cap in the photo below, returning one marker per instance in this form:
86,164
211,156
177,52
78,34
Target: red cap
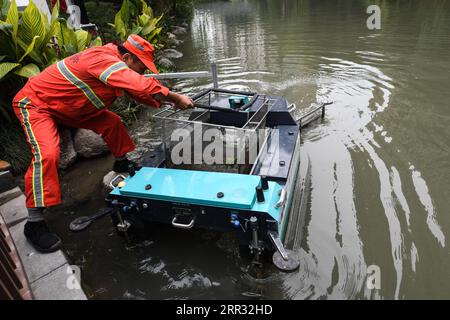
142,49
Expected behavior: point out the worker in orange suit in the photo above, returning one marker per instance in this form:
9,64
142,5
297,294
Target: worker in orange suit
76,92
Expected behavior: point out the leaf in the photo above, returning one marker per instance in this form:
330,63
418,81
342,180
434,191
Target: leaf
32,25
96,42
54,23
13,19
146,9
46,23
67,39
147,29
30,48
83,38
4,7
120,26
143,19
55,13
50,55
158,19
136,30
7,47
124,12
28,71
154,33
69,50
35,55
151,26
55,28
48,29
7,67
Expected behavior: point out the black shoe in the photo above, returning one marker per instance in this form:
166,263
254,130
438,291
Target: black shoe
123,165
40,237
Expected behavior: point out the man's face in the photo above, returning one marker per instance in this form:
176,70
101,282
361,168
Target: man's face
135,65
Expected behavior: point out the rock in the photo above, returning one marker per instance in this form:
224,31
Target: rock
175,43
179,30
165,63
171,54
184,24
172,40
68,153
89,144
171,36
4,166
109,177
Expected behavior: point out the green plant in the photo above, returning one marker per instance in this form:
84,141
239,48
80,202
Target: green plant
128,21
126,108
29,42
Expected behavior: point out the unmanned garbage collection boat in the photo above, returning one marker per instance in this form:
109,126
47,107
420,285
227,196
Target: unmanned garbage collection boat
229,164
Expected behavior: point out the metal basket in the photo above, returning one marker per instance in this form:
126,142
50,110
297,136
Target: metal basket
194,141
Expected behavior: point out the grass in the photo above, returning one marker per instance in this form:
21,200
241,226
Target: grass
126,108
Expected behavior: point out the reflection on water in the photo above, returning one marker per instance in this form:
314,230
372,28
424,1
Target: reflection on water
379,161
378,169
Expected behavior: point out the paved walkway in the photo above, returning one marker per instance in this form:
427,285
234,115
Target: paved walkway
50,275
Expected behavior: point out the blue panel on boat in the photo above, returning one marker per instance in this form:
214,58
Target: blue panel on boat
194,187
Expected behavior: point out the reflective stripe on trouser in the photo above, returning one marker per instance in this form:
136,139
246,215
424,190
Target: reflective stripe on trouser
41,178
42,135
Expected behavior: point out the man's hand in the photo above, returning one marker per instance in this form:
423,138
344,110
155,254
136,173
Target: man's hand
184,102
180,101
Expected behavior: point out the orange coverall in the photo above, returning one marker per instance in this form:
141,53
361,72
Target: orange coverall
76,92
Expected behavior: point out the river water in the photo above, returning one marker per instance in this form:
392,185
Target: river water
380,170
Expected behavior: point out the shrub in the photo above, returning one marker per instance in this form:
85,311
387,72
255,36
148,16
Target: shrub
28,44
128,21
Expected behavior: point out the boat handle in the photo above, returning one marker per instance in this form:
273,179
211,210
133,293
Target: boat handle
114,179
181,225
292,107
282,200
